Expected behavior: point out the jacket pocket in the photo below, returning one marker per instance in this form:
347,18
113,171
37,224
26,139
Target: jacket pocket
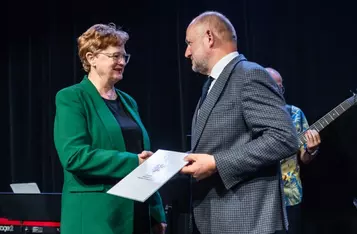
222,107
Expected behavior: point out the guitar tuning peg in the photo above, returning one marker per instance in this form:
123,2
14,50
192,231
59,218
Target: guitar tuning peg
353,92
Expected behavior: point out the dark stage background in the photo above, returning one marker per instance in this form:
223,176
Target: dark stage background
311,43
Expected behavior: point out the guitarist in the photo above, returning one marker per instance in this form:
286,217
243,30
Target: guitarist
290,166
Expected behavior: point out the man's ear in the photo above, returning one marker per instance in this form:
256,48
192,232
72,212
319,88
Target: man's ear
210,37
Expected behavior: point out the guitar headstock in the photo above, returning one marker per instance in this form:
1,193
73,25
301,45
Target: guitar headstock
353,99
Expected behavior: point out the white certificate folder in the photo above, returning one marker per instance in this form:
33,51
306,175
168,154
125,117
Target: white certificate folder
148,177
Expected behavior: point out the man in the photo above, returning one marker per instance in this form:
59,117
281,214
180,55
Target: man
290,166
240,132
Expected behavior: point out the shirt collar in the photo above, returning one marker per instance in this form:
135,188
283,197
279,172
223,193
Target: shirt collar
222,63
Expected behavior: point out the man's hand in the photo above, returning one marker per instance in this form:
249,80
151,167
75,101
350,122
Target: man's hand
200,166
312,144
313,140
144,155
159,228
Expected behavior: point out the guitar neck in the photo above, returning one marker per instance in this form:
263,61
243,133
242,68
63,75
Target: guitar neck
326,120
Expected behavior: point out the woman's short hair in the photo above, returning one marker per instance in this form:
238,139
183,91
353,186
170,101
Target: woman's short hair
99,37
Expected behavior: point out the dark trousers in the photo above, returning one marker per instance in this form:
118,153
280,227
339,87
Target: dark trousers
141,218
294,218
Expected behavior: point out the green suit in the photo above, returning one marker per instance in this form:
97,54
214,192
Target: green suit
91,149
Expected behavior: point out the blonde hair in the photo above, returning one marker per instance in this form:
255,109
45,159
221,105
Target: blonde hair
99,37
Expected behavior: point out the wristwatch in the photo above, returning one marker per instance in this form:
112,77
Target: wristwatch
313,153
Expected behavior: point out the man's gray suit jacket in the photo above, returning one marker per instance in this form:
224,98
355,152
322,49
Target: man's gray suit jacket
243,123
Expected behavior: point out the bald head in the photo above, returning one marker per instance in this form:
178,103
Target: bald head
277,78
275,75
209,37
218,24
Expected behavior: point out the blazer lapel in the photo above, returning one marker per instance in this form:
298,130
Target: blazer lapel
211,99
110,123
193,125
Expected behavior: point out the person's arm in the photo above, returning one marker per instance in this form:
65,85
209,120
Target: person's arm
73,143
156,208
273,134
307,155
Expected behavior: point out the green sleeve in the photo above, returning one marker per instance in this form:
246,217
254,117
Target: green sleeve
73,143
156,208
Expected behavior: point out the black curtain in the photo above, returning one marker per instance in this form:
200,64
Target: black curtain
311,43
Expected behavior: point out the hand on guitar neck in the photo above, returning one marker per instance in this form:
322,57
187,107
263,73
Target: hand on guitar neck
313,141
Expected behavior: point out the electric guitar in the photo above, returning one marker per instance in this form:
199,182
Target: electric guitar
325,121
329,117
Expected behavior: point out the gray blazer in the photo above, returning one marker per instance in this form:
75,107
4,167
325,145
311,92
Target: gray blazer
244,124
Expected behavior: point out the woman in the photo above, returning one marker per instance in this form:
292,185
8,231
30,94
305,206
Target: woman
100,139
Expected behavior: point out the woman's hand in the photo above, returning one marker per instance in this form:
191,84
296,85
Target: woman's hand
144,155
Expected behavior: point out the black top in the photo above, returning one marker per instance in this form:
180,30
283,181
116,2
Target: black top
133,139
131,131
